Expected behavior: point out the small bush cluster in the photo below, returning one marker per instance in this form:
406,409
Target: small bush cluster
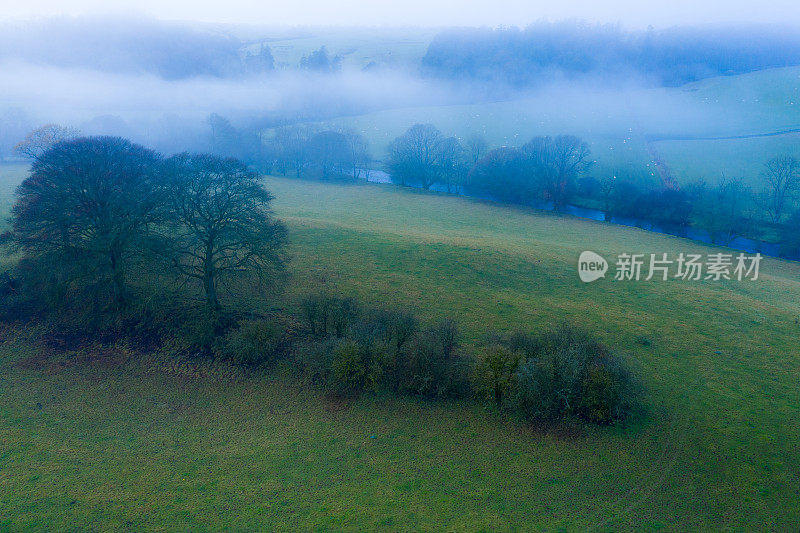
353,350
256,342
563,373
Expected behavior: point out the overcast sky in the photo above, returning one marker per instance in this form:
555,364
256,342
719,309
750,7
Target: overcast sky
630,13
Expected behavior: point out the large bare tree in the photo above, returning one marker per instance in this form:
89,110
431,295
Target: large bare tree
422,155
359,155
477,146
504,174
221,224
559,162
329,151
292,148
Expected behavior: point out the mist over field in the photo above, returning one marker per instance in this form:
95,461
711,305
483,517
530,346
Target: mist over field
157,82
144,106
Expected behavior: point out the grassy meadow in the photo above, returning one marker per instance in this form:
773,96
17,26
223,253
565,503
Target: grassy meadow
108,439
11,175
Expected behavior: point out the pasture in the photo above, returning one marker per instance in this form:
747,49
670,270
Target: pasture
106,438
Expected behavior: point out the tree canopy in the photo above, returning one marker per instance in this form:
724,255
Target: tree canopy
86,204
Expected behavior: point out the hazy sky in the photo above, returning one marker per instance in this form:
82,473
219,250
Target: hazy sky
631,13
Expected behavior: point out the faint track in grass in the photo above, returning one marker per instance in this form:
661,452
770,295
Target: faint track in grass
655,476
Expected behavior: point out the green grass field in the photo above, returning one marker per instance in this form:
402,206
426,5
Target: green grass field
10,177
103,440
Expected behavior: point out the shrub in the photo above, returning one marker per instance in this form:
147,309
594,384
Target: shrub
401,326
571,373
348,368
383,350
316,310
394,325
446,334
430,366
314,359
608,392
326,314
381,361
495,371
343,313
391,326
255,342
533,395
527,344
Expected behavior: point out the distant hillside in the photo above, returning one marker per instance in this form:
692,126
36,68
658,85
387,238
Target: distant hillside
129,45
359,48
545,51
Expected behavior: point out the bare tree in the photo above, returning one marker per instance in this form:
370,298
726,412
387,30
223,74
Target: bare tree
330,152
782,177
358,152
292,144
504,174
721,210
222,225
559,162
87,205
453,168
790,237
608,186
476,147
422,155
43,138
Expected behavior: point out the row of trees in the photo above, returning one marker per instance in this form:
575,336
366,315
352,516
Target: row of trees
545,168
94,210
726,210
298,150
555,170
328,153
423,156
550,169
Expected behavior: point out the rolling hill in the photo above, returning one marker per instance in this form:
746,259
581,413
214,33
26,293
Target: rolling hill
109,437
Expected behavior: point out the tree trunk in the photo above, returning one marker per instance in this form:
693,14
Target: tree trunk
211,291
210,278
117,277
